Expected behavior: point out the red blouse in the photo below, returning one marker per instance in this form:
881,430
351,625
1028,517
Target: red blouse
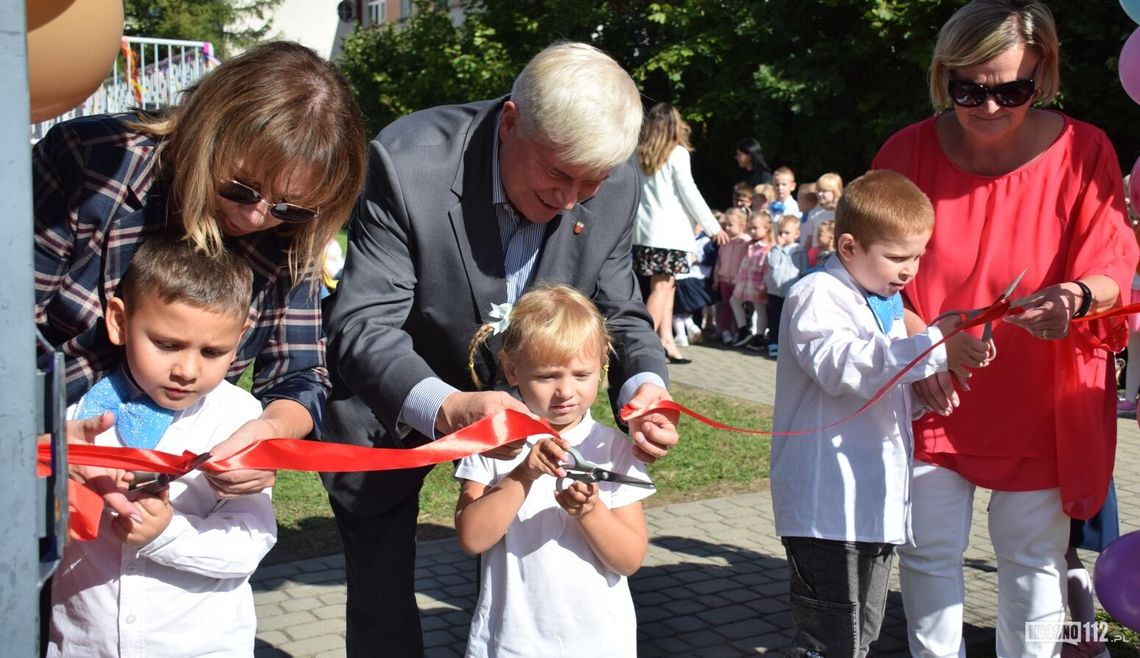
1043,414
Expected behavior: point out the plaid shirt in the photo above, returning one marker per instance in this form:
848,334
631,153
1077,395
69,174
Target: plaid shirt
96,200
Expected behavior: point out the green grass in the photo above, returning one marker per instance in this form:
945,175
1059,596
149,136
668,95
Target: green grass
707,463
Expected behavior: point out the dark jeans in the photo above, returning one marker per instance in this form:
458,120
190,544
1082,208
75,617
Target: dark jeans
838,595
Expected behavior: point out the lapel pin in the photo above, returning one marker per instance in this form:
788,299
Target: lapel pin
579,227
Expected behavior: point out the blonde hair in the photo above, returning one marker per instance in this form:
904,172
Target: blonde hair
784,171
663,130
549,324
883,205
278,110
833,183
177,271
984,29
578,100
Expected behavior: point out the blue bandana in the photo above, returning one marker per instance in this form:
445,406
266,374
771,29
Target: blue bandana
886,309
140,422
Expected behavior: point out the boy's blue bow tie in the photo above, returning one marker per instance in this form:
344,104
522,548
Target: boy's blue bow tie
140,422
886,309
776,208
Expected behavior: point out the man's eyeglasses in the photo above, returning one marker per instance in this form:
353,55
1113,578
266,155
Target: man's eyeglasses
237,192
1008,94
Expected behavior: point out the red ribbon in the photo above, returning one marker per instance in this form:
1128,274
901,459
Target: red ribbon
504,427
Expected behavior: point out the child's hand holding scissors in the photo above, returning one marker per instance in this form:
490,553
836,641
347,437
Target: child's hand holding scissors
578,499
155,512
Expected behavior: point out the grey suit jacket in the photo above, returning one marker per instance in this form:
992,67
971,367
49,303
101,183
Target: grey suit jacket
424,265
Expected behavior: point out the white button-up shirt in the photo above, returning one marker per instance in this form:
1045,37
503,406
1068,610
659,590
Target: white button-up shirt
187,592
850,482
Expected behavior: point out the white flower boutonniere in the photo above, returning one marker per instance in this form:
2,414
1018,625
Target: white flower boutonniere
502,314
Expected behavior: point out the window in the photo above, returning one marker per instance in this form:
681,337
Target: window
376,11
405,8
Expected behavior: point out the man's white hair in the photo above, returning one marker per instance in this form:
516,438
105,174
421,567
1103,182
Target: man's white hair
577,99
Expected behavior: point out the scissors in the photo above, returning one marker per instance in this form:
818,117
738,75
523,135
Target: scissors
987,332
152,483
580,469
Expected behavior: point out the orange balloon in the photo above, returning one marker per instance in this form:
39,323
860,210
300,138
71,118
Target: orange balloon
71,47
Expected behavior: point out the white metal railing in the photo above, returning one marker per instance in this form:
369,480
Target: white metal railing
148,73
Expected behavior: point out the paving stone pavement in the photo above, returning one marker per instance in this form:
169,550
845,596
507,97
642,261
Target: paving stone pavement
713,583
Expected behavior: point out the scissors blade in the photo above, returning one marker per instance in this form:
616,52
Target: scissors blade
1008,292
152,483
988,330
602,475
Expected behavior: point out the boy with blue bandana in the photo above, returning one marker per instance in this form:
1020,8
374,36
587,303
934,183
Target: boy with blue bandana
841,485
172,580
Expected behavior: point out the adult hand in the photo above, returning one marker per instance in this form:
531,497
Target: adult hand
720,238
110,483
653,434
242,482
460,409
1048,311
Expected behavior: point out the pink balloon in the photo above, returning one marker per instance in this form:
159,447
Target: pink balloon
1118,579
1130,66
1134,186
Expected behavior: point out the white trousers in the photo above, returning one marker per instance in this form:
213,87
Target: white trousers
1030,534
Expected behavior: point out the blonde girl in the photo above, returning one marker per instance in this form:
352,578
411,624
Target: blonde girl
828,189
535,538
750,285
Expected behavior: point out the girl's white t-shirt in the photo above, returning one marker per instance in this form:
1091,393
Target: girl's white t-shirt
544,592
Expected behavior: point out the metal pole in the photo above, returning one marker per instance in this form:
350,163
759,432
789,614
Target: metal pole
19,596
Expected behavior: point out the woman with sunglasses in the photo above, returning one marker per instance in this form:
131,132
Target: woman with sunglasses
265,157
1015,188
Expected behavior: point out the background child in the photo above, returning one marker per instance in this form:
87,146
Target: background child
728,261
174,580
750,285
786,261
825,246
742,195
784,182
828,189
841,494
693,292
554,563
762,195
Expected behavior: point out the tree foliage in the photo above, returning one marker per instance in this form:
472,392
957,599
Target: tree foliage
227,24
821,83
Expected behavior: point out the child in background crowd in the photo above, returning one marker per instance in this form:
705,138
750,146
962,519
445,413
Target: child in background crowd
554,560
694,292
762,195
173,581
784,182
828,189
841,491
750,285
825,241
728,261
786,261
742,196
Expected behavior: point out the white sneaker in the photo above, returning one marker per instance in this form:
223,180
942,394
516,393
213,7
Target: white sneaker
681,340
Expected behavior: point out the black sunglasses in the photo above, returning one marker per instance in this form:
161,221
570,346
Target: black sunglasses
1008,94
238,192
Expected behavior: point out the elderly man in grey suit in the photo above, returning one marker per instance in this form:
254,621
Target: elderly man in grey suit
467,206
